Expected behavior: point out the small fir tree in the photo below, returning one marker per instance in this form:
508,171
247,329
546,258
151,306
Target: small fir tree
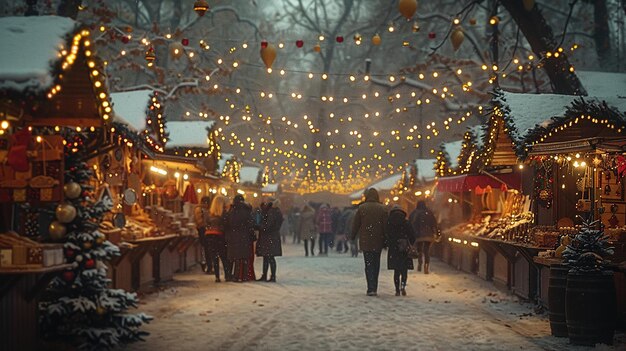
588,250
78,306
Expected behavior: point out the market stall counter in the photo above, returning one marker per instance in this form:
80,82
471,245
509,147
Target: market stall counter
146,269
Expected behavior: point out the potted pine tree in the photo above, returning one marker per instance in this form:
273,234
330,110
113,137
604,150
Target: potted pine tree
590,301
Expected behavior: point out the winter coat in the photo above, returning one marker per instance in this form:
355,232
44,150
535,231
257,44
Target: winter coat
369,223
239,231
200,216
324,220
215,225
306,231
398,229
268,243
424,224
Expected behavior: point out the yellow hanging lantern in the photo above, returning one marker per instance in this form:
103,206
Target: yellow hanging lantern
317,48
201,7
456,37
407,8
268,55
150,56
376,39
528,4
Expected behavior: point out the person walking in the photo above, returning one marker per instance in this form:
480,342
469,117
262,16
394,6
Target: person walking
214,237
306,231
399,237
369,225
239,232
425,228
324,225
268,244
200,217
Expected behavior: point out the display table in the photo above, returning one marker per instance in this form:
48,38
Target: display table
146,269
19,292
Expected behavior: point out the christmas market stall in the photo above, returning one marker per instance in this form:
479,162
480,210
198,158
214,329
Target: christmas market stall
55,119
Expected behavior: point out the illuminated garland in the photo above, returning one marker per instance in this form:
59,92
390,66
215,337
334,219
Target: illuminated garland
155,134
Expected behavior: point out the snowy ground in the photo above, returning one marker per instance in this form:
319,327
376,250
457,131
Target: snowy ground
319,303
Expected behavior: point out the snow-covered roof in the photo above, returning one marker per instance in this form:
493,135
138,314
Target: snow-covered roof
270,188
30,47
130,108
248,174
221,163
453,148
478,131
426,169
387,183
188,133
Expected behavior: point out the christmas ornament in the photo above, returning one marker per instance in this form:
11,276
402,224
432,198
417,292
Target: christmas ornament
407,8
57,230
185,41
317,48
69,253
339,39
150,56
268,54
457,37
494,20
79,258
72,190
125,39
100,240
416,27
432,35
376,39
90,263
100,310
472,21
299,43
176,49
65,212
528,4
68,276
357,38
264,44
87,245
201,7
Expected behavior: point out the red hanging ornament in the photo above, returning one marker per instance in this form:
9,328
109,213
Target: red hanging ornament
340,39
69,253
68,276
263,44
432,35
90,263
125,39
299,43
185,41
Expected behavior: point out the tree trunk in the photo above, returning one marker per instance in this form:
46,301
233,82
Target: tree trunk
601,34
539,35
69,8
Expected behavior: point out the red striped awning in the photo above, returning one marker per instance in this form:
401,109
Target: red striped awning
468,182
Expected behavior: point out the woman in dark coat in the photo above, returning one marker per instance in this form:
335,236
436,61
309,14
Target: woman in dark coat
399,236
268,245
239,231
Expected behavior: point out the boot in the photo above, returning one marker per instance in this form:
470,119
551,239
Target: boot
419,266
426,266
273,270
266,266
402,290
272,279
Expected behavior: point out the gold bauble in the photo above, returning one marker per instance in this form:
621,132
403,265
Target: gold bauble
65,212
376,39
87,245
100,310
72,190
528,4
457,38
268,55
176,49
57,230
407,8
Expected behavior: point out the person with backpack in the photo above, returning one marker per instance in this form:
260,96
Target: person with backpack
425,228
399,237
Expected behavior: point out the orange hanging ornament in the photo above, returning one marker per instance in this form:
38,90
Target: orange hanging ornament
407,8
268,55
457,38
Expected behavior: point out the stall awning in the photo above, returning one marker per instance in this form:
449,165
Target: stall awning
468,182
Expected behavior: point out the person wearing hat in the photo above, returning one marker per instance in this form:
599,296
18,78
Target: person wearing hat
269,245
369,225
399,236
239,232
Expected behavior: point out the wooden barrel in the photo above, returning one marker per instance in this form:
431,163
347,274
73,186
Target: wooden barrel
556,299
590,308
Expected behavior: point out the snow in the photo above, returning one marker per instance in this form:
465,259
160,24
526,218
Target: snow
188,133
453,149
270,188
130,108
478,131
221,163
30,46
425,169
248,174
319,303
387,183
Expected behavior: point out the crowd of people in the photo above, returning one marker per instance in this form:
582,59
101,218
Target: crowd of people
236,233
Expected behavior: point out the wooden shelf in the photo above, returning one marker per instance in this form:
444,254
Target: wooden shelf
33,270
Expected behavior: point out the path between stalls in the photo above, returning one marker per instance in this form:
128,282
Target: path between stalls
319,303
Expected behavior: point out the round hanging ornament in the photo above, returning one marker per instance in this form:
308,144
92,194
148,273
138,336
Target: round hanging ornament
90,263
432,35
65,212
317,48
268,54
528,4
57,230
68,276
407,8
201,7
339,39
299,43
456,37
72,190
87,245
176,49
376,39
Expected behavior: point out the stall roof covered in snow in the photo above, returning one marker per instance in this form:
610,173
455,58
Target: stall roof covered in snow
453,149
30,48
130,108
221,163
270,188
426,169
188,133
479,131
248,174
387,183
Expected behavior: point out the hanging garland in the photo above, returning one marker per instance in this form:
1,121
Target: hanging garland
543,193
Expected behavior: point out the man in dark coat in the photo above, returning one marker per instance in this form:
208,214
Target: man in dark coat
268,245
369,225
239,232
425,228
399,237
